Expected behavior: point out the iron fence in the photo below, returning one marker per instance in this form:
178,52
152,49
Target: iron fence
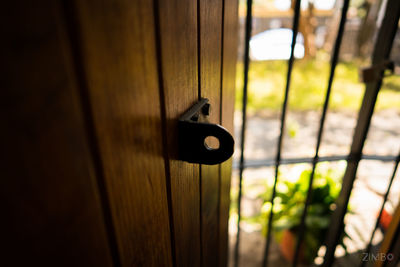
381,54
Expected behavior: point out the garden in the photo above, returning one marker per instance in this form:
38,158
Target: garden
307,93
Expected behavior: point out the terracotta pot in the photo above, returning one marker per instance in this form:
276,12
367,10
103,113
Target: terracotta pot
288,247
385,219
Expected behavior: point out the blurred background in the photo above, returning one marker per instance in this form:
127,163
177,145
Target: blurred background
270,47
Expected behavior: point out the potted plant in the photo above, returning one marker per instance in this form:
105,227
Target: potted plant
289,202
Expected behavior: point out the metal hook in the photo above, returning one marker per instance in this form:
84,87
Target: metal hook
193,132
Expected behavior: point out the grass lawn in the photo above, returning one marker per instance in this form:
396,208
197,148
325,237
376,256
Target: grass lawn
267,81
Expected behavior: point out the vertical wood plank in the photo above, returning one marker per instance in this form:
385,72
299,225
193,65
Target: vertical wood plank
118,43
230,39
51,211
210,34
178,36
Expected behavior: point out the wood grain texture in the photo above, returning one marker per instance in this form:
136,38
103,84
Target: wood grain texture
51,211
210,34
178,35
118,45
230,39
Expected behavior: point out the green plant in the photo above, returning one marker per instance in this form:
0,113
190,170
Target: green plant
291,193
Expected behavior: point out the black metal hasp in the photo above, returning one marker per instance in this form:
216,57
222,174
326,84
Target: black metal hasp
194,129
377,71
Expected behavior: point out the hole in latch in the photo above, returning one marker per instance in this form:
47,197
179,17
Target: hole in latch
211,142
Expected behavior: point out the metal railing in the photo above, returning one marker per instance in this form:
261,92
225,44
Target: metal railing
381,53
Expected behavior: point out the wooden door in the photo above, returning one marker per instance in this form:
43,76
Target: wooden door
92,91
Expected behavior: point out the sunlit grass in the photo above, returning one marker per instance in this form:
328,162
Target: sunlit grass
267,82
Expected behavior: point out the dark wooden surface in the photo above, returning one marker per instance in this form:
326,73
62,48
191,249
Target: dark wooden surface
210,35
230,39
51,212
179,65
92,94
120,65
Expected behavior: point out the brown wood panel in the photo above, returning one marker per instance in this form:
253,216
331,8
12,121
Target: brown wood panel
230,39
51,211
178,48
119,55
210,34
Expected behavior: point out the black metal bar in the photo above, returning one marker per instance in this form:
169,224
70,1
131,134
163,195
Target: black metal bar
334,61
282,129
244,111
381,53
252,164
380,158
368,249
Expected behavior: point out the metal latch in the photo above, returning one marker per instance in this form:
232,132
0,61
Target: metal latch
193,130
377,71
